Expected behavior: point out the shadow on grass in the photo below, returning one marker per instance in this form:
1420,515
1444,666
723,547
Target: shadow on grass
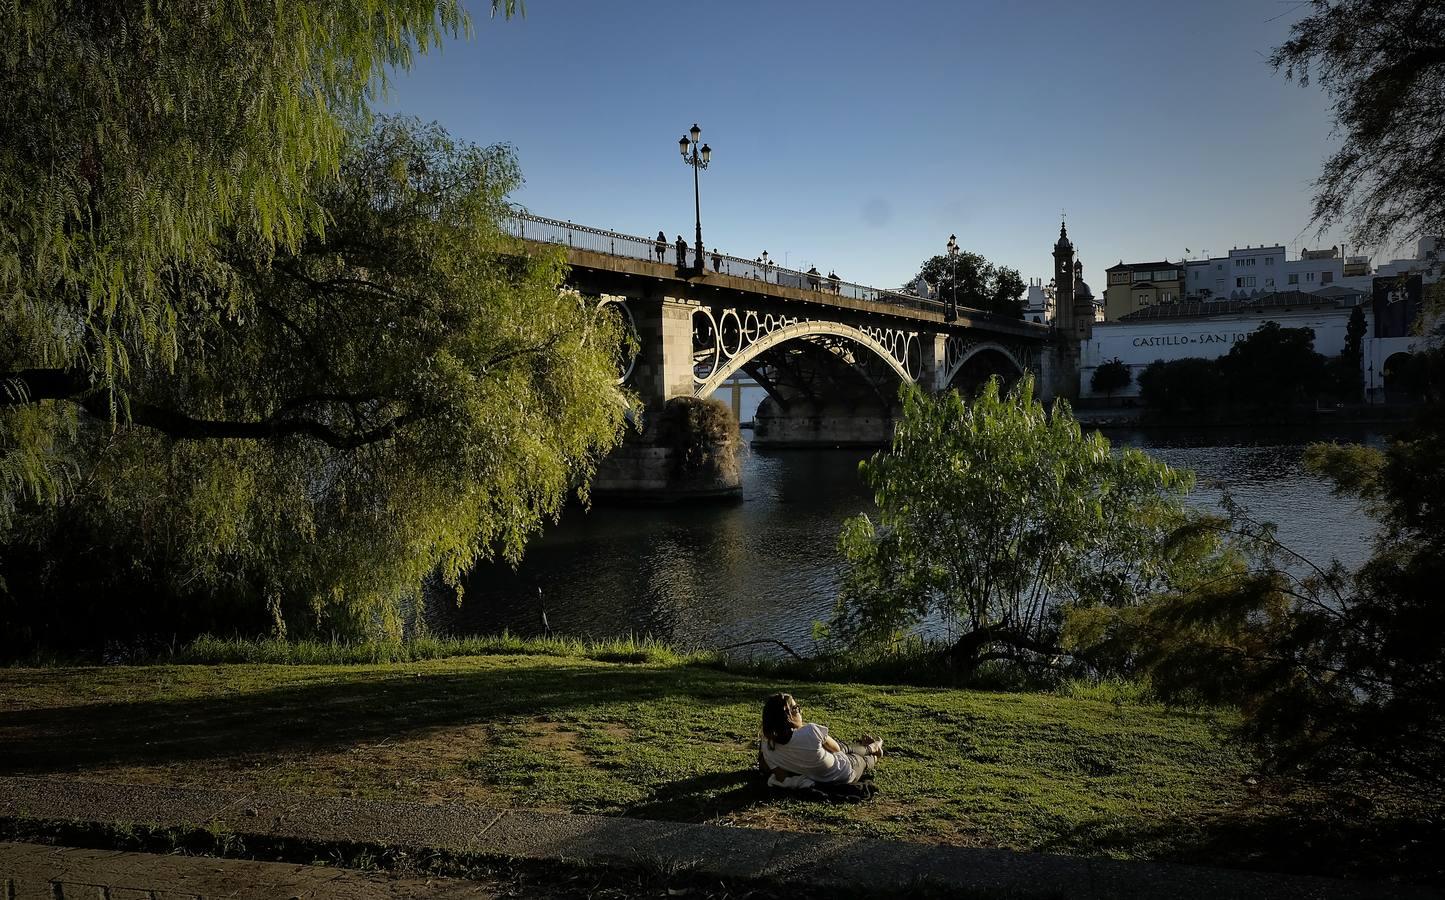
332,715
702,798
1334,837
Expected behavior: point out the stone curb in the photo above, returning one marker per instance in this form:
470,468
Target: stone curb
31,872
848,863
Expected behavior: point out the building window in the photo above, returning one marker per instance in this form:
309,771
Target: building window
1269,260
1249,281
1239,282
1294,279
1327,277
1309,276
1269,282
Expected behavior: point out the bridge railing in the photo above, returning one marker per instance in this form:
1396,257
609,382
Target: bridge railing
631,246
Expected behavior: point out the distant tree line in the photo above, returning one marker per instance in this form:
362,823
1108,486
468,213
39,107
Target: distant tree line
1273,370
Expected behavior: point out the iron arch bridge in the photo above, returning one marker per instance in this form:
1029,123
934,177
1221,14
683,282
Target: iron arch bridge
830,353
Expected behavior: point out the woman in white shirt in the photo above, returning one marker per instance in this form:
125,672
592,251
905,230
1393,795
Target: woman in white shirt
790,747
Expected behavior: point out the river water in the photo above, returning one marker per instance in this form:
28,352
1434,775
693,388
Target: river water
767,567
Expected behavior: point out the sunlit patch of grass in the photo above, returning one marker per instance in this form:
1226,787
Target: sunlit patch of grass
1088,768
209,649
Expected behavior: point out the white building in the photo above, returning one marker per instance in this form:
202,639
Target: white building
1252,271
1427,261
1208,329
1039,302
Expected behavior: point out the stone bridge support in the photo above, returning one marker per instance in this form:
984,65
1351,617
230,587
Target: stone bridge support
654,464
663,369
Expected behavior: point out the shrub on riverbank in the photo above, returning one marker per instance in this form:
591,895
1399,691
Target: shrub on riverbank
998,519
703,433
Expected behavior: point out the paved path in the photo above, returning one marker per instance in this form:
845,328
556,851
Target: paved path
818,860
33,872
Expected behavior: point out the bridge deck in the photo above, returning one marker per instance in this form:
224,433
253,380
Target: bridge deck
623,256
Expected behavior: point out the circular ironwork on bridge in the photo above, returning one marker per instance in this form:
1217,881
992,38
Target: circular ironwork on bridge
629,325
705,345
731,336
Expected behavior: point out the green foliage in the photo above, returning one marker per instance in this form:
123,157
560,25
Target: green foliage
1189,385
1383,64
976,283
1334,671
1355,331
407,392
1111,376
211,650
1272,370
137,146
1343,377
995,519
704,435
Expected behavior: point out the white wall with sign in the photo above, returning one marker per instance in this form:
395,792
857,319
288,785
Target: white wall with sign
1140,343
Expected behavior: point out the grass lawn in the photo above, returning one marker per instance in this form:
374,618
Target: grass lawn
1017,770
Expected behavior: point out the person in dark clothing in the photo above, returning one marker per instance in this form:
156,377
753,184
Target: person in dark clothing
681,252
813,276
716,260
834,284
661,246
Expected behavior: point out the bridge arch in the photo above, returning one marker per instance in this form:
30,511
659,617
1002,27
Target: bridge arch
798,330
962,358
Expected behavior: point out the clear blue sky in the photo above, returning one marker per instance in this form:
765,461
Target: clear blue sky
858,135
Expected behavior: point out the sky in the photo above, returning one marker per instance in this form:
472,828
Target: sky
857,136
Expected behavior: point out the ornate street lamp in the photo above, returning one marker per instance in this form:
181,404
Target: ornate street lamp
951,311
698,159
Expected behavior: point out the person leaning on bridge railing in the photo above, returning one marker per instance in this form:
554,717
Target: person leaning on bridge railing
681,252
661,246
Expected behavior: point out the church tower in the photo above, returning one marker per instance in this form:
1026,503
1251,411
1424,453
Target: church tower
1073,319
1064,283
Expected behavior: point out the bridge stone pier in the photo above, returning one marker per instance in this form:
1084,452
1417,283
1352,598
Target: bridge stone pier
831,355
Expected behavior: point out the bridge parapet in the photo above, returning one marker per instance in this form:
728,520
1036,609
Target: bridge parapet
635,247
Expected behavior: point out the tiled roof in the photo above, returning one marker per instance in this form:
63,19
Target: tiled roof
1199,309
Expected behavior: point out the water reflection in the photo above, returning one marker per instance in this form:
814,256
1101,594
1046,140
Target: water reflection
768,567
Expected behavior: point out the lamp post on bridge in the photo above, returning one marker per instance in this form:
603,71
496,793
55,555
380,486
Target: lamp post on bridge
950,312
698,160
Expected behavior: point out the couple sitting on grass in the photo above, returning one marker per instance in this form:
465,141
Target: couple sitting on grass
801,755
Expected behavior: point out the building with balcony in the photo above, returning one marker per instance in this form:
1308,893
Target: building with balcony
1135,286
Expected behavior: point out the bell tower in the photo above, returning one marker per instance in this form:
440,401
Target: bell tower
1064,282
1061,358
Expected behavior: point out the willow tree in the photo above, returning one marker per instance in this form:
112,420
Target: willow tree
259,353
411,390
134,137
1382,62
